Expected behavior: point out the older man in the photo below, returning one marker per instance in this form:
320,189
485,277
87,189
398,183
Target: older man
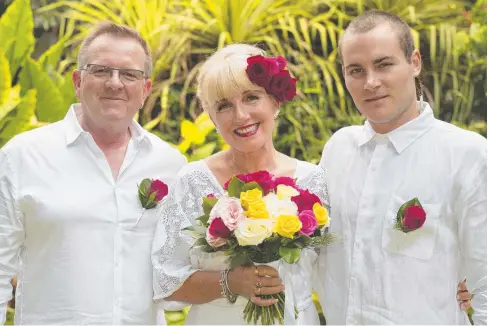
381,272
69,204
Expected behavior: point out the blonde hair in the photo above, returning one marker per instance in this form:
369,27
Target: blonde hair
115,30
223,74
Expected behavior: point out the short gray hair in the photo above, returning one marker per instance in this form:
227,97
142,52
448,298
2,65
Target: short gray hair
116,30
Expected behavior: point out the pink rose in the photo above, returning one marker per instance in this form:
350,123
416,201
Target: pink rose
215,241
305,200
229,209
309,222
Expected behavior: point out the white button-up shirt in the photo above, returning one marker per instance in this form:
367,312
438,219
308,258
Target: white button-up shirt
67,227
376,274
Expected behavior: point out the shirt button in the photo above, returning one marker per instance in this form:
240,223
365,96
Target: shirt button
116,263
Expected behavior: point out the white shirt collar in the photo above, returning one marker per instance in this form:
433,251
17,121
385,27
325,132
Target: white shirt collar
405,135
74,130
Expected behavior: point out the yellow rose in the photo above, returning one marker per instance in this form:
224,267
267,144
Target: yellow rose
257,209
284,191
287,225
251,232
250,196
321,215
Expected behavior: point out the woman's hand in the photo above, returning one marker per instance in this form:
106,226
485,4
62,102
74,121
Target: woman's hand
463,296
253,281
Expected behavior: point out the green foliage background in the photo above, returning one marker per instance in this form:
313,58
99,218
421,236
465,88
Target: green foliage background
39,40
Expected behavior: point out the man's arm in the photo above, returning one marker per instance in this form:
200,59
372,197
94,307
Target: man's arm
472,236
11,233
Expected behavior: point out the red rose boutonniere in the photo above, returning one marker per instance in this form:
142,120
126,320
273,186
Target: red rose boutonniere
411,216
151,192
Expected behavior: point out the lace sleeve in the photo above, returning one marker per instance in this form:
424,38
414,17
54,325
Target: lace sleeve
170,251
316,183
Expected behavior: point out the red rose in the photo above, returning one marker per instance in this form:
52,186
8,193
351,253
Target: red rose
305,201
414,218
263,178
158,187
210,196
242,177
218,229
281,62
282,86
287,181
260,70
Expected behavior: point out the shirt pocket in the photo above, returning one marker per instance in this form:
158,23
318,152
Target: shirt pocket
418,244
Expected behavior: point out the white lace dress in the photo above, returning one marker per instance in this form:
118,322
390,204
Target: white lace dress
174,260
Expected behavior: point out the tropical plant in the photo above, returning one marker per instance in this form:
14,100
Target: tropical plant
32,92
306,32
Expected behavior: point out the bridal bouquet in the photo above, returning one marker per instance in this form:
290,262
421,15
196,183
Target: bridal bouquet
261,219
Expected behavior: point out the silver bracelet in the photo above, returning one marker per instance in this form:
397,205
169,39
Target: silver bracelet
226,292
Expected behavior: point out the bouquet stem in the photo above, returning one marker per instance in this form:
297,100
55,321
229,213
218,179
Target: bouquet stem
270,315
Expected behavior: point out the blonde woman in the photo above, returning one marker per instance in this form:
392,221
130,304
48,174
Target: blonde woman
244,114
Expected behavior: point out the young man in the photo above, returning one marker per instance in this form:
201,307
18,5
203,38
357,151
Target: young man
378,274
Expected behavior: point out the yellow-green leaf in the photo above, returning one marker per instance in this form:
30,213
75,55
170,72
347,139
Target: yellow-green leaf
50,104
17,23
5,79
20,122
13,98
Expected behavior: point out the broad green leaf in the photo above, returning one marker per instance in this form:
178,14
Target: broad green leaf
50,105
251,186
290,255
52,56
208,204
203,219
5,80
24,112
234,188
17,23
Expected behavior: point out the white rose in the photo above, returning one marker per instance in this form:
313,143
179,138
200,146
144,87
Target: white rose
277,207
253,231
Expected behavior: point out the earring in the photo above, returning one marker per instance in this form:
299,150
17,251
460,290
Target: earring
276,114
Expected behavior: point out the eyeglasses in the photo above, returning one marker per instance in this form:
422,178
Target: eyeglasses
104,72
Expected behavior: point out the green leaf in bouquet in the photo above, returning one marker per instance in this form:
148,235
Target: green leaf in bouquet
301,241
234,188
201,242
203,219
240,259
208,204
290,255
251,186
324,240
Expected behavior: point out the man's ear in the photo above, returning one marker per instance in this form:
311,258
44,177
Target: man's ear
76,77
416,60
